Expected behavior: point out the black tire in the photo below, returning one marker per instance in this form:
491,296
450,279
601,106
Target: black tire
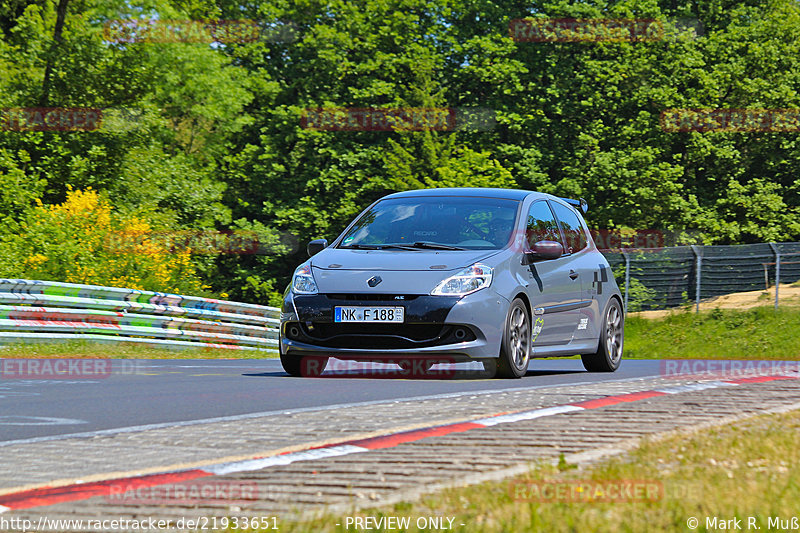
489,368
608,356
515,349
308,366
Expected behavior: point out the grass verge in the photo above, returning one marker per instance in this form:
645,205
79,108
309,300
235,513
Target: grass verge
742,470
757,333
84,349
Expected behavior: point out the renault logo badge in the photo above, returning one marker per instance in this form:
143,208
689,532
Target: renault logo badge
374,281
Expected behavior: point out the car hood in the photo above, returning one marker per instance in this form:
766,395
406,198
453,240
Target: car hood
380,260
402,272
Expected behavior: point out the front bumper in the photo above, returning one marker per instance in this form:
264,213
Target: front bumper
462,328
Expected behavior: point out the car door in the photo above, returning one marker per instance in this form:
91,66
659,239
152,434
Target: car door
583,263
552,292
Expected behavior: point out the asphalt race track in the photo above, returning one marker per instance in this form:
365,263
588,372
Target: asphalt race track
184,392
360,436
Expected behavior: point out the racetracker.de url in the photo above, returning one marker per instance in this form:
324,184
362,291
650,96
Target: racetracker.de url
202,523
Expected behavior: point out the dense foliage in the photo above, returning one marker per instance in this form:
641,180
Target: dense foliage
210,135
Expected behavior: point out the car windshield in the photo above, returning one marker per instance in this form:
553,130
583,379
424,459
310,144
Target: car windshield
439,222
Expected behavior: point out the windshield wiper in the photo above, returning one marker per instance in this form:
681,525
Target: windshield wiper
397,246
363,246
435,246
379,247
400,247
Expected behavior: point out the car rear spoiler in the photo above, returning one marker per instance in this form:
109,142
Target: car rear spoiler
578,204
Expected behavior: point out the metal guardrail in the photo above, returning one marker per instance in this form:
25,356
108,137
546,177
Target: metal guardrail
40,311
662,278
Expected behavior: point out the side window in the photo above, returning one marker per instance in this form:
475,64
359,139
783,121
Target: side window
541,225
573,230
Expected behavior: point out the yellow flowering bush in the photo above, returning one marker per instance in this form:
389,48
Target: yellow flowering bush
83,240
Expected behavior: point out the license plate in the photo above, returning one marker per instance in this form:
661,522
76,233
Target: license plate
368,314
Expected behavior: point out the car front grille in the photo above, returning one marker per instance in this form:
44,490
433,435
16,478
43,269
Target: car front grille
369,297
371,336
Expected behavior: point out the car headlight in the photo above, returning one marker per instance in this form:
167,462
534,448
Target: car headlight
303,281
469,280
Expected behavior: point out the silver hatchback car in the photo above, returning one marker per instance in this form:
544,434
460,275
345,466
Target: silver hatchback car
498,276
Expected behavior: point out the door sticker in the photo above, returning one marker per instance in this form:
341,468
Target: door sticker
600,277
537,328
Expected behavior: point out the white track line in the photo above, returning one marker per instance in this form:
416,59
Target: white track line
248,416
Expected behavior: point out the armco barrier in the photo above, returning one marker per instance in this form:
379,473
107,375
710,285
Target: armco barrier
41,311
661,278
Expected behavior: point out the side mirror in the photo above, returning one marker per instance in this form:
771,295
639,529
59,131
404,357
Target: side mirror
544,250
316,246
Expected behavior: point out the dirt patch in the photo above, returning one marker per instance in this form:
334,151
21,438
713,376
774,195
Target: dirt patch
788,295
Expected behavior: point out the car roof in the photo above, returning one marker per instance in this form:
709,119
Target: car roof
485,192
